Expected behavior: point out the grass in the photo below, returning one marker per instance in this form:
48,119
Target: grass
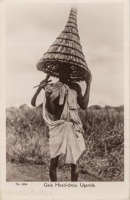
27,140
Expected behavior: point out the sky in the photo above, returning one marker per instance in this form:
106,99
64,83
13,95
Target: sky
32,27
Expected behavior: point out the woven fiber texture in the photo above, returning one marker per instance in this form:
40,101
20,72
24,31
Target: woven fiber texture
66,52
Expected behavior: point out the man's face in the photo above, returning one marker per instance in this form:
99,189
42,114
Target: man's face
64,72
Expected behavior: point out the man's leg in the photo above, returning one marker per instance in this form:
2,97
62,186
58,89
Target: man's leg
53,167
74,172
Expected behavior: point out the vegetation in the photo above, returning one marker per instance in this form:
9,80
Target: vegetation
27,140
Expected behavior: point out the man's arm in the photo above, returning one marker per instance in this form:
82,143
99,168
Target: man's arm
33,101
84,100
41,86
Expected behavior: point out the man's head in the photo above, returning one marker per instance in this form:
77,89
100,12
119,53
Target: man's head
64,72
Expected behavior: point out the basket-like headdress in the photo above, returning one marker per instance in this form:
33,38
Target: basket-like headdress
66,51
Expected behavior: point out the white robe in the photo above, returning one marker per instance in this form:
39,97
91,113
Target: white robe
65,133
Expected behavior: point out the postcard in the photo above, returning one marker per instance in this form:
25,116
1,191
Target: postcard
64,111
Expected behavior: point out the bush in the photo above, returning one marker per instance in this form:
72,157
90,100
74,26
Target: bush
103,132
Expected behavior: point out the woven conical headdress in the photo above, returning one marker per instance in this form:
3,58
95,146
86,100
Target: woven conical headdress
66,51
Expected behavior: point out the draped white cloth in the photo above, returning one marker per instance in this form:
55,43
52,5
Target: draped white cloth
65,133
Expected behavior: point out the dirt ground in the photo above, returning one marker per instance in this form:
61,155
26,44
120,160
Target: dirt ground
17,172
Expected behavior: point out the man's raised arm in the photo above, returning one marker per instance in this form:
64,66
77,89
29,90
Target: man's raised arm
41,86
84,100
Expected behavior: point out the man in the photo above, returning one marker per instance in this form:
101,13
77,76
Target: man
65,130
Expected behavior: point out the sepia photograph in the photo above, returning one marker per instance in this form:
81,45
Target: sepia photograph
65,93
81,113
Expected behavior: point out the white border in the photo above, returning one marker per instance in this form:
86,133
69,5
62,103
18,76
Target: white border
103,190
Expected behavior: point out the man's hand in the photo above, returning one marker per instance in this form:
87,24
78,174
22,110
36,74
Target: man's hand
88,80
44,82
